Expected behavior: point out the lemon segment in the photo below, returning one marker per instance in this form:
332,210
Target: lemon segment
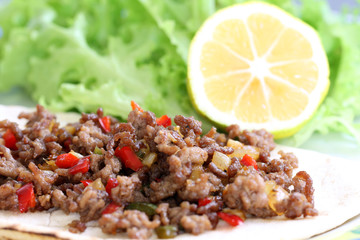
255,65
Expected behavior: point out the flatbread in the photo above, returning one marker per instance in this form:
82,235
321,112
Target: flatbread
337,197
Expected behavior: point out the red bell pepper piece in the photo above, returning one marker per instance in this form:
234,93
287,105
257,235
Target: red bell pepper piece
26,197
248,161
204,201
112,207
10,139
111,183
134,106
231,219
66,160
81,167
164,120
128,158
86,182
105,123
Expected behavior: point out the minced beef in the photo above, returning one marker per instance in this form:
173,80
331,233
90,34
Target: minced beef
134,222
8,197
196,224
179,185
9,167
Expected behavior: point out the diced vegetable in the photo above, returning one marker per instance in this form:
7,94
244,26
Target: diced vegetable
231,219
177,129
149,159
164,120
240,150
81,167
111,183
10,140
234,144
49,165
204,201
78,155
148,208
248,161
86,182
66,160
276,194
236,212
70,129
221,160
134,106
112,207
128,158
97,151
197,171
105,123
98,185
51,125
26,197
166,232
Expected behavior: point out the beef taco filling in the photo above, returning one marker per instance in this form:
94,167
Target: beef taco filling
149,175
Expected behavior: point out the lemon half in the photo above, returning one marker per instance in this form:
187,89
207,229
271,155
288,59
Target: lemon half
255,65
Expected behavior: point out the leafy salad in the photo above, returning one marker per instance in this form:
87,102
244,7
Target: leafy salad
79,55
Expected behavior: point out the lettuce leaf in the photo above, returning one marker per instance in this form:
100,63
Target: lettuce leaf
81,55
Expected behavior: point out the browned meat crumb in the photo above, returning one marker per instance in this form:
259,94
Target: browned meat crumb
77,226
8,197
196,224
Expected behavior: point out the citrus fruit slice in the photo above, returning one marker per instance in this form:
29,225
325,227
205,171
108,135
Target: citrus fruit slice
257,66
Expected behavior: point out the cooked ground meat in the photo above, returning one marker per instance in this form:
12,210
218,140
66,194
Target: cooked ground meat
200,188
188,125
9,167
168,141
125,191
66,203
162,210
77,226
8,197
43,180
89,137
297,205
135,223
166,173
91,203
140,121
176,213
180,167
45,201
303,184
248,193
196,224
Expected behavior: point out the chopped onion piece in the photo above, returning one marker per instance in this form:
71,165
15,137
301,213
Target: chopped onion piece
78,155
149,159
97,184
234,144
70,129
197,171
276,194
240,150
236,212
221,160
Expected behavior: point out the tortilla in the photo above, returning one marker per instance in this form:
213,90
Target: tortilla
337,198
